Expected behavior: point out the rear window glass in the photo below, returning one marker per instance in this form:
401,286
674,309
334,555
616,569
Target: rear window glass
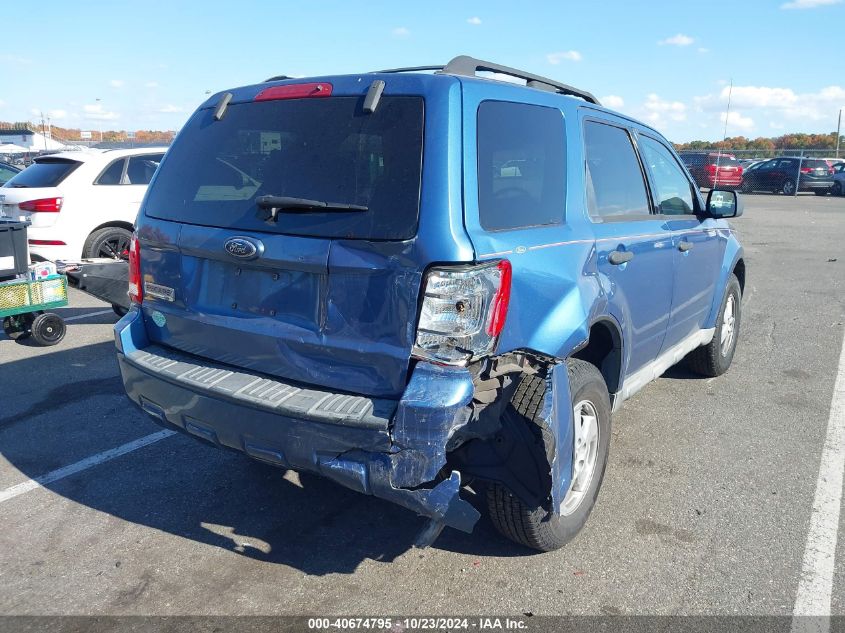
815,164
317,149
45,172
521,165
723,161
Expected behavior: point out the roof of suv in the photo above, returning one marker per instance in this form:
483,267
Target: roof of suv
90,156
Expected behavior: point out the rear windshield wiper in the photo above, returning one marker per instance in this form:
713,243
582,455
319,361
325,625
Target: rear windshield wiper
287,204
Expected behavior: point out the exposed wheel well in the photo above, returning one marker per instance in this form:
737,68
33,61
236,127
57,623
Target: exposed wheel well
739,271
604,350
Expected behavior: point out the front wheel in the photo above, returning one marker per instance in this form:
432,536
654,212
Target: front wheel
540,527
714,358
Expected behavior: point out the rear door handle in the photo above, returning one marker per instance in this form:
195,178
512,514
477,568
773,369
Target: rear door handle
684,246
620,257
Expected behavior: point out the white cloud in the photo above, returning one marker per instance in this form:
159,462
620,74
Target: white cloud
774,101
95,112
170,108
612,101
151,84
808,4
475,20
658,110
401,31
57,115
737,122
678,40
556,58
116,83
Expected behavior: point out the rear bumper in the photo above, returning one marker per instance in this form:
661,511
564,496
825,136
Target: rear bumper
391,449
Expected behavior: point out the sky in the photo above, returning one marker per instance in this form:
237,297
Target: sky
95,64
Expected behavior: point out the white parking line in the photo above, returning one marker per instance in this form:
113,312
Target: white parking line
816,584
85,316
88,462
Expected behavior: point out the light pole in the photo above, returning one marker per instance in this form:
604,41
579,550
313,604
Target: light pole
99,122
838,129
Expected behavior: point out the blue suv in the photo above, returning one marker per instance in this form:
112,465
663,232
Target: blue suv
409,281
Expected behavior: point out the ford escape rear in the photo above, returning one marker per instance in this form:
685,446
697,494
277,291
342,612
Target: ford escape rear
404,281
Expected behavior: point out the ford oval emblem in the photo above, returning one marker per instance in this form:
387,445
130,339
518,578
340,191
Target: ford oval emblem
243,247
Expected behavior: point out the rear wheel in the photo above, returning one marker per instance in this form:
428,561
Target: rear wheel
111,242
837,189
788,187
540,527
48,329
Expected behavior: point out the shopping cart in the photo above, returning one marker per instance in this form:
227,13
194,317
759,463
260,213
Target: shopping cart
24,305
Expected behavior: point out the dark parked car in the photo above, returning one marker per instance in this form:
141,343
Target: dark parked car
784,174
712,169
6,172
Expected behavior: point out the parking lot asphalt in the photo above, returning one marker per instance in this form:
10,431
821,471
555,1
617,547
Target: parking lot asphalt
705,507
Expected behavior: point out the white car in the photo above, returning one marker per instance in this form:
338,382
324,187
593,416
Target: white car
81,204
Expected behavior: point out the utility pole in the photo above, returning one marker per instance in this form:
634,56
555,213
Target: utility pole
99,122
43,131
838,132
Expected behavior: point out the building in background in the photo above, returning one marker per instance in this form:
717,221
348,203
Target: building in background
31,140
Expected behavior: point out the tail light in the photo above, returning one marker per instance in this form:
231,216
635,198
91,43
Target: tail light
136,292
463,312
43,205
46,243
806,170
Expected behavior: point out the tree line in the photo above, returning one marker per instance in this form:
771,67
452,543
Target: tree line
787,141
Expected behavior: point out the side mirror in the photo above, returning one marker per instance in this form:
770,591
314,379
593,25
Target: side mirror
723,204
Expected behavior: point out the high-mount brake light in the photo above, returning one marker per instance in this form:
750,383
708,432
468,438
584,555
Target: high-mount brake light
463,312
295,91
42,205
136,292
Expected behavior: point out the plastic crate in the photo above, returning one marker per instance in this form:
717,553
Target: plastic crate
14,258
20,296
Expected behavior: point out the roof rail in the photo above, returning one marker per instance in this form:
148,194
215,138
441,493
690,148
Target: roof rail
467,66
410,69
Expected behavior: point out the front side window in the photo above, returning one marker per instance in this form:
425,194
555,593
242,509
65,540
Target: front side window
615,185
673,191
521,166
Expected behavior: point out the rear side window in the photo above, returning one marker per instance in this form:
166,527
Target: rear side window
141,168
615,185
113,174
44,172
326,150
521,165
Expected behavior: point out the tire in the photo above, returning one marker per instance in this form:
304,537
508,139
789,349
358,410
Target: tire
787,188
119,310
112,241
48,329
18,327
538,527
822,192
837,189
745,187
714,358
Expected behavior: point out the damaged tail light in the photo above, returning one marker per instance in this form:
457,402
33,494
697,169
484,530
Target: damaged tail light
136,293
463,312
